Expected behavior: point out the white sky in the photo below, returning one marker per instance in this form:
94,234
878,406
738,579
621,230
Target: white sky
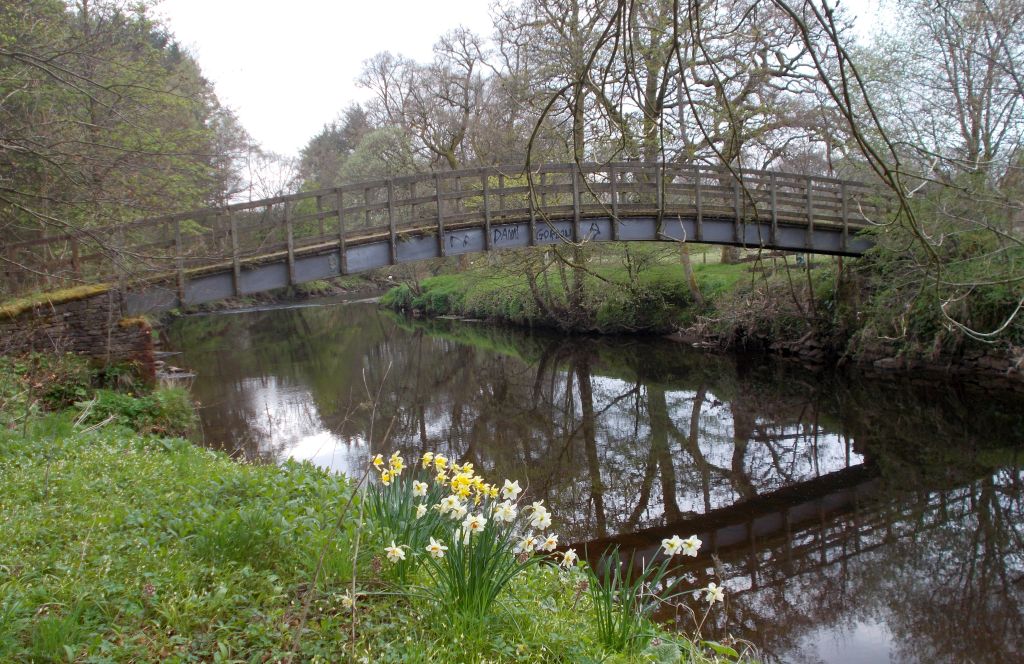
287,68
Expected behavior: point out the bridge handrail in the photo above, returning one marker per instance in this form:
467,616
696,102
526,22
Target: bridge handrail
486,194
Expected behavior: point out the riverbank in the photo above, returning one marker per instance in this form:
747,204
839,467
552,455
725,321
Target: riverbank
124,544
817,312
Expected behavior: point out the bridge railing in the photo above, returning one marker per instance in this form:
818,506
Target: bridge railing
241,233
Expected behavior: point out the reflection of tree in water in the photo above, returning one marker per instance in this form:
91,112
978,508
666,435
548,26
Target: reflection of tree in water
628,437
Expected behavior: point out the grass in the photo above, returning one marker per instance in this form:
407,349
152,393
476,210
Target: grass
635,289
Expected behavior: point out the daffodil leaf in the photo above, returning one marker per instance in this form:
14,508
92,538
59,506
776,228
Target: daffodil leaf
725,651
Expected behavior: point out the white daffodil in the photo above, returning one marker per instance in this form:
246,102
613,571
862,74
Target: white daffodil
691,545
714,593
549,544
436,549
526,545
510,490
450,503
569,558
505,512
395,553
474,523
540,520
421,510
458,512
419,489
671,546
538,506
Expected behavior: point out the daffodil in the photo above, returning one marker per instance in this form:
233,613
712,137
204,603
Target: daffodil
691,545
428,458
569,558
458,512
474,523
449,503
549,544
537,505
510,490
441,478
436,549
385,477
397,464
672,545
440,463
505,512
419,489
421,510
714,593
540,519
395,553
526,545
378,461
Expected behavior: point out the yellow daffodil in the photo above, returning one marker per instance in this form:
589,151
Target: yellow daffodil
441,478
385,477
440,463
511,490
397,464
378,461
395,553
428,458
436,549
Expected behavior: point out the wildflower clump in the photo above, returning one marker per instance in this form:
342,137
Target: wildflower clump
470,537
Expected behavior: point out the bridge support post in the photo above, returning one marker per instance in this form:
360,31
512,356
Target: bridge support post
738,236
699,203
342,252
236,270
442,249
179,261
809,237
291,243
575,203
392,231
772,193
844,202
485,181
613,189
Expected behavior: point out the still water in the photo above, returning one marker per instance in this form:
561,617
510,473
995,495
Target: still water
852,519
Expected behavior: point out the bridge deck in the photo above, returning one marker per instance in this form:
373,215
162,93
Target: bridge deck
209,254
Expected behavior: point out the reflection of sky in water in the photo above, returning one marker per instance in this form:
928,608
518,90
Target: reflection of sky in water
292,429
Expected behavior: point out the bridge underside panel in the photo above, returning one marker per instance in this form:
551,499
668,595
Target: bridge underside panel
463,242
325,262
320,266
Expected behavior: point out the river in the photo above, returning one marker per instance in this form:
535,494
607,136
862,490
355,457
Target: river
852,519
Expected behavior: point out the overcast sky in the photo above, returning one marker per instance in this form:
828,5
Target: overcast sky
287,68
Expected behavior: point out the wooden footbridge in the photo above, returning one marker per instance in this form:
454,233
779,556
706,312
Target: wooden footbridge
245,248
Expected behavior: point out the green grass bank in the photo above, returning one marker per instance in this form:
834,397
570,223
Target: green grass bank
121,543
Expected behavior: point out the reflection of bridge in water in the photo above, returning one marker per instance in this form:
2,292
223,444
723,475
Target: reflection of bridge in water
245,248
825,499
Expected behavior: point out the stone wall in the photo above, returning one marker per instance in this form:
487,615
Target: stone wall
91,325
